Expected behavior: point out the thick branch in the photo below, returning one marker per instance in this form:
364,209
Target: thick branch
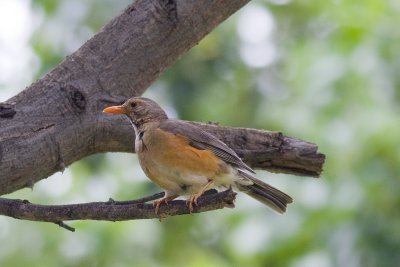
111,210
58,120
260,149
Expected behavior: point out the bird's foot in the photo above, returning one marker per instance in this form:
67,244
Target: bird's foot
193,198
157,203
192,201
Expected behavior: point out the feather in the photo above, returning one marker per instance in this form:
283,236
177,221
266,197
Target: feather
205,141
263,192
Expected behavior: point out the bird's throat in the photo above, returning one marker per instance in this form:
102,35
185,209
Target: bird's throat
138,136
133,124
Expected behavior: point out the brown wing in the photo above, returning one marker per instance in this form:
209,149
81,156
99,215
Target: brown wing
204,140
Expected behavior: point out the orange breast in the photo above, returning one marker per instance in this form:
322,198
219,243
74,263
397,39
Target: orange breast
175,151
169,157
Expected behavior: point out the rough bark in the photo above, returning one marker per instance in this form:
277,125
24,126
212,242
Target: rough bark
260,149
58,119
111,210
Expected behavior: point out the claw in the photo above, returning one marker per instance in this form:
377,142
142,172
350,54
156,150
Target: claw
194,198
157,203
192,201
189,203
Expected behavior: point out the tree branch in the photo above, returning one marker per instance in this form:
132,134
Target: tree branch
260,149
58,120
111,210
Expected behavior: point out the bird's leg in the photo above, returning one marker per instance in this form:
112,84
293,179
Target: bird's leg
157,203
193,198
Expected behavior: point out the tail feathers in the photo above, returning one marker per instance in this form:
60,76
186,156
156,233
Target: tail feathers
263,192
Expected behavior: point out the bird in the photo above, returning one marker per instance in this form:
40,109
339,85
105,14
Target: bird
186,161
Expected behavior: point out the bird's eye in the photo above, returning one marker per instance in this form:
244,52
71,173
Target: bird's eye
134,104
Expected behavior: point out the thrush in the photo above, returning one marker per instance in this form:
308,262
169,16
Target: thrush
185,160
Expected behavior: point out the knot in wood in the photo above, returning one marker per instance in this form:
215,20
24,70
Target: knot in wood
78,99
6,111
169,7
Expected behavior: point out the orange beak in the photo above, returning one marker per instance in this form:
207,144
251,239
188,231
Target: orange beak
116,110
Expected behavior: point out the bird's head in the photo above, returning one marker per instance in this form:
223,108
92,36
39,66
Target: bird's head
139,110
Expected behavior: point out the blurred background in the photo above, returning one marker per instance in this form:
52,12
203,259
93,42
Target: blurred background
322,71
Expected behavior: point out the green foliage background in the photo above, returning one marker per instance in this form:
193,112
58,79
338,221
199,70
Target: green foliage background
333,79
